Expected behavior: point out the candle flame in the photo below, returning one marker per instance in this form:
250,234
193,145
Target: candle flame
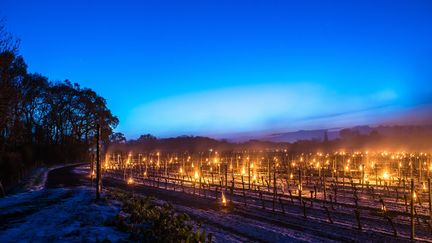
223,199
386,175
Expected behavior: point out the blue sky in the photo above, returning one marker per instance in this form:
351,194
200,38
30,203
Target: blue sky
221,68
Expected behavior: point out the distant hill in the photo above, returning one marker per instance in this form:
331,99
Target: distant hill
333,133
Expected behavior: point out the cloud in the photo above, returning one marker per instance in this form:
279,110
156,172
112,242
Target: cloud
257,108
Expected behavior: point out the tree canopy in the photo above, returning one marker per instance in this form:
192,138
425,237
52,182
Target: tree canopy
42,120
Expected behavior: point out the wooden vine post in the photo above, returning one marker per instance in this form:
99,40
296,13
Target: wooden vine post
430,199
98,164
412,209
300,186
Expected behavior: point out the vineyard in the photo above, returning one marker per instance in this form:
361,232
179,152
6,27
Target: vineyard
381,194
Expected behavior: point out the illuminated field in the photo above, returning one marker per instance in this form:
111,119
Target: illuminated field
384,193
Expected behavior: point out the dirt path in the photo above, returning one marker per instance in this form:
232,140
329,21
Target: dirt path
66,177
64,211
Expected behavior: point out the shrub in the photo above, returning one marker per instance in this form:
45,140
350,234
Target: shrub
148,222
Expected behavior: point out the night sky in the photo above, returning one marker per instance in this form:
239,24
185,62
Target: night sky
224,68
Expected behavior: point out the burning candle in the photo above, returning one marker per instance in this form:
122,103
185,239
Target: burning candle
386,175
223,199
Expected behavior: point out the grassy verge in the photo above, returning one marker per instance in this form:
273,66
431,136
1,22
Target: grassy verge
148,222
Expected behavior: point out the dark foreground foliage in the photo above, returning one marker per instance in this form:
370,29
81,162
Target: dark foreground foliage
148,222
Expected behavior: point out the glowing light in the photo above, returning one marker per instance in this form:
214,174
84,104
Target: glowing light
145,173
243,171
196,176
386,175
291,176
223,199
181,170
130,181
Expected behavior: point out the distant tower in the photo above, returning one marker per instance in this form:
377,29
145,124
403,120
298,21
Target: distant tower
325,136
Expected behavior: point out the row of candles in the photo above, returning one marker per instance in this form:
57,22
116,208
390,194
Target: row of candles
366,167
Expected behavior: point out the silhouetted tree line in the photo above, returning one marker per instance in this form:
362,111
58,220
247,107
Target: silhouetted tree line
43,121
191,144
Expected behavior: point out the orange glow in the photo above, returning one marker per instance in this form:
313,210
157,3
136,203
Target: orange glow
386,175
223,199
